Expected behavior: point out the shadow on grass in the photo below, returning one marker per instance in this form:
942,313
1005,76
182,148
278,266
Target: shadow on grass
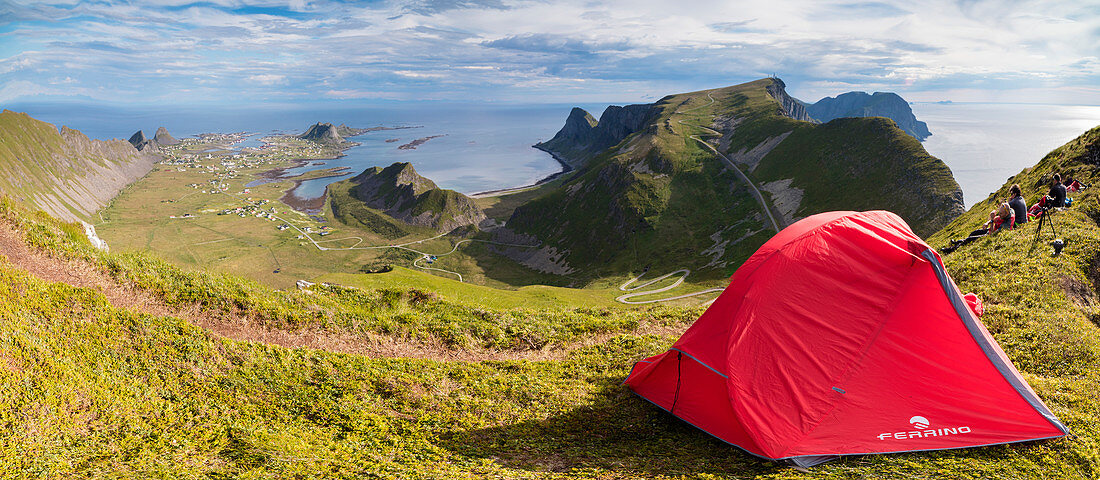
619,431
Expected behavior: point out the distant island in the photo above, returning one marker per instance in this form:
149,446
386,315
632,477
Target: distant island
418,142
323,132
878,104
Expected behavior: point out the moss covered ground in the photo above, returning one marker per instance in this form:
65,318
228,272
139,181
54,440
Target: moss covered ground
93,391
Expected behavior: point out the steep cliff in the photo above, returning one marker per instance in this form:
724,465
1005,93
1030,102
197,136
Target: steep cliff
64,173
788,106
583,137
662,198
879,104
405,195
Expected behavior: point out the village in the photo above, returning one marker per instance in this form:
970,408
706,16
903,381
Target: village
210,155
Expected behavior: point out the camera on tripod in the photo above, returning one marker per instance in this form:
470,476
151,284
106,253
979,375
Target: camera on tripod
1045,217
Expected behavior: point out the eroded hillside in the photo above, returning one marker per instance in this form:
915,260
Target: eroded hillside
63,172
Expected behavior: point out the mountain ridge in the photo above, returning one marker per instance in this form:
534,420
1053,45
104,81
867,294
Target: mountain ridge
63,171
658,186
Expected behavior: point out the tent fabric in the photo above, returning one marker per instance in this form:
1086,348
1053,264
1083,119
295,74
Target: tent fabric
844,335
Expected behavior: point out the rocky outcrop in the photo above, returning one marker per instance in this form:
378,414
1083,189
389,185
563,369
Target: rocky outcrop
140,142
64,172
346,131
323,133
878,104
583,137
164,138
407,196
161,139
789,106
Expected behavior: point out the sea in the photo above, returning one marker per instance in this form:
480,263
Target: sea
477,147
486,147
985,144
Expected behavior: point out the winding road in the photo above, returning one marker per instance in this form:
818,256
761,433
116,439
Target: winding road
403,246
685,272
764,204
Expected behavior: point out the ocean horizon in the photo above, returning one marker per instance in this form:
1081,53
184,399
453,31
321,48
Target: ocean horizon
483,147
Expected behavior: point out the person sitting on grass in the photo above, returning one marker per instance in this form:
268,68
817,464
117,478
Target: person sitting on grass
1055,198
1073,185
1018,204
999,217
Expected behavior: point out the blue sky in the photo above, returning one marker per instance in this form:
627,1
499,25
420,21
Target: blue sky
229,52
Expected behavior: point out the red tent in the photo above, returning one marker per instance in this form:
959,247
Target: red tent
844,335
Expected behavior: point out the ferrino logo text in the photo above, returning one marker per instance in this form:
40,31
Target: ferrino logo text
923,429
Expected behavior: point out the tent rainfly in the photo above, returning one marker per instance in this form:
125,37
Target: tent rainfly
844,335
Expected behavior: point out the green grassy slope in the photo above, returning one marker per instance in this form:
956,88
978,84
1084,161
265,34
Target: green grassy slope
399,311
661,199
64,172
655,200
881,168
531,296
397,191
88,391
354,213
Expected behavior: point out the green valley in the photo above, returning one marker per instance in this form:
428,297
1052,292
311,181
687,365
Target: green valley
150,394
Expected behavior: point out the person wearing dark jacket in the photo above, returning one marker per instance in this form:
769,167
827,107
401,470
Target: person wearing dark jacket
1016,201
1057,192
1055,198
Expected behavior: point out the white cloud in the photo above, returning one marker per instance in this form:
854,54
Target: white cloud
268,79
457,49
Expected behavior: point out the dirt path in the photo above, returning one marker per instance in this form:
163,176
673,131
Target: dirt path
242,327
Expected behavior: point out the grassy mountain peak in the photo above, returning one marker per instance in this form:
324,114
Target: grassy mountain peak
401,193
661,196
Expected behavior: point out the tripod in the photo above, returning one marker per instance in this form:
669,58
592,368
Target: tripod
1044,216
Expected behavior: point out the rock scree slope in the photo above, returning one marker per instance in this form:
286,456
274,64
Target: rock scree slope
64,172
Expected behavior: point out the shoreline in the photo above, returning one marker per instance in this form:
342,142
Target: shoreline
565,168
309,206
